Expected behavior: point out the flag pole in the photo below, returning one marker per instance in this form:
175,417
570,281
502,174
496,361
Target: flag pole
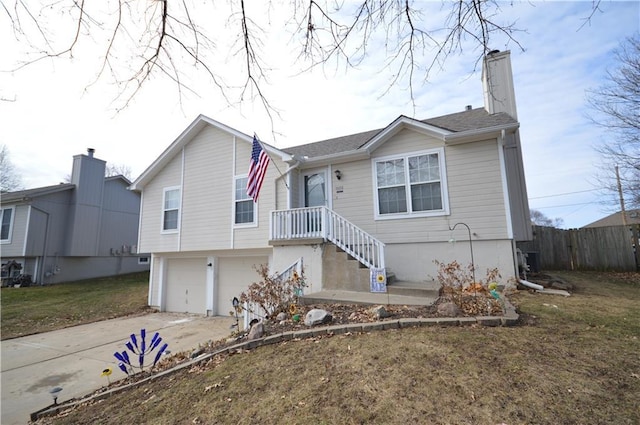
272,161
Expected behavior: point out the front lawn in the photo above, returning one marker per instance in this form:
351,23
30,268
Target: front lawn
573,360
38,309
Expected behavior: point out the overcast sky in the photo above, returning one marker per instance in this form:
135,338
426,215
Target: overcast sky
51,111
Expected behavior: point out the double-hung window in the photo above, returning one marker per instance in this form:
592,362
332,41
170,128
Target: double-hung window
244,207
411,185
6,221
171,209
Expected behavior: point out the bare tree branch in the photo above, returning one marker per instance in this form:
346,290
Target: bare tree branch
616,108
142,39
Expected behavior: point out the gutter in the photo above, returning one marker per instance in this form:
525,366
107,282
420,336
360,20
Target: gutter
472,135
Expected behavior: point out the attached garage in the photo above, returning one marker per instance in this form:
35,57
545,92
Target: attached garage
235,274
186,285
203,285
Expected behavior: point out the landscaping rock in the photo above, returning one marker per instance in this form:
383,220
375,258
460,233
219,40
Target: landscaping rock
281,316
317,316
256,331
378,312
448,309
197,352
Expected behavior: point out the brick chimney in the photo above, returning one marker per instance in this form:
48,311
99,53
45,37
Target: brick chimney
497,83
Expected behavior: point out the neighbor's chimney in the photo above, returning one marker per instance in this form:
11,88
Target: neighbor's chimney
497,83
90,152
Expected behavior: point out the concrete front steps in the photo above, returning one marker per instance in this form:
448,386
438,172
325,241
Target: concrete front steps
346,280
336,296
429,289
398,292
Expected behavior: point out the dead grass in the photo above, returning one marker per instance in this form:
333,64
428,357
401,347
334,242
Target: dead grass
574,361
36,309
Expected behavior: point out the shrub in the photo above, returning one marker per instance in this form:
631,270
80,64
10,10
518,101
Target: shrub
273,293
473,298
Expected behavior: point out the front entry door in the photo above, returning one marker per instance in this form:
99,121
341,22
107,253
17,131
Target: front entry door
315,189
315,195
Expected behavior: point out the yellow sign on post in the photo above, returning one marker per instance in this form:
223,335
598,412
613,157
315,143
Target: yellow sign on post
378,280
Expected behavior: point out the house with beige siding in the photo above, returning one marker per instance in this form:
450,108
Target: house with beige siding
391,200
70,231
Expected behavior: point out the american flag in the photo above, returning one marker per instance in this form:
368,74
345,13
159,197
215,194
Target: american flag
257,169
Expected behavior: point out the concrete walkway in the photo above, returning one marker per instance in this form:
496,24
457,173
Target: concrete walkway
74,358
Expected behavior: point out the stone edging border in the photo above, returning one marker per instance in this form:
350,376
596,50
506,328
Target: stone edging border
510,318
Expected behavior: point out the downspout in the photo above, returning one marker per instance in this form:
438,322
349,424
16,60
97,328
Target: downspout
44,248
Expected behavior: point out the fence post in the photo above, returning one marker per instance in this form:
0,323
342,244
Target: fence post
635,238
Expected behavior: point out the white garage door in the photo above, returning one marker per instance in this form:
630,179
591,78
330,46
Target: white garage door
186,285
234,276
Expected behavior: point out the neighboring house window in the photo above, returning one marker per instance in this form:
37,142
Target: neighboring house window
143,260
6,222
245,208
171,209
411,185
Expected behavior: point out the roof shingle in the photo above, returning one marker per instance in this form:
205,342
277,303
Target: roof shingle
38,191
474,119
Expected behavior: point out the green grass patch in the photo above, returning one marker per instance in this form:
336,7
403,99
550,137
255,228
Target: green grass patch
38,309
574,361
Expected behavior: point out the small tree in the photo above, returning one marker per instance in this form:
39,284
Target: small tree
117,170
539,219
10,179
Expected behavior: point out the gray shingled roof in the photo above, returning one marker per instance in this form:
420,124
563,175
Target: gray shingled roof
473,119
615,219
32,193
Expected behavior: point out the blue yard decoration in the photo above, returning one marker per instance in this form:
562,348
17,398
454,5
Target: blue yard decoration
140,349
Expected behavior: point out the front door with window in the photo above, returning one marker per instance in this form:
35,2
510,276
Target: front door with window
315,195
315,189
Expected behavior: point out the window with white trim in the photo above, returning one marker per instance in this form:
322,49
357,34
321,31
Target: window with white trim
170,209
6,222
411,185
244,210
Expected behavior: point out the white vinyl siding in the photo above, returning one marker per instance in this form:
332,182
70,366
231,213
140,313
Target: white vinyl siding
473,185
152,239
244,207
6,224
411,185
207,211
171,209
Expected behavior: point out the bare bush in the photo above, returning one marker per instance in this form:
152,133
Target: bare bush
273,294
473,298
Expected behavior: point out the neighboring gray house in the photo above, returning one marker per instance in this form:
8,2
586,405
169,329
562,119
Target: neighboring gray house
83,229
615,219
387,197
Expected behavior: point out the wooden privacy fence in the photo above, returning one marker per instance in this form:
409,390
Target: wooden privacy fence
612,248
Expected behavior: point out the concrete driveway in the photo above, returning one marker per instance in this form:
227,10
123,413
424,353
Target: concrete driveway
74,358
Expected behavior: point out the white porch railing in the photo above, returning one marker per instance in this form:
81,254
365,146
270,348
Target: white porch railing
321,222
254,311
